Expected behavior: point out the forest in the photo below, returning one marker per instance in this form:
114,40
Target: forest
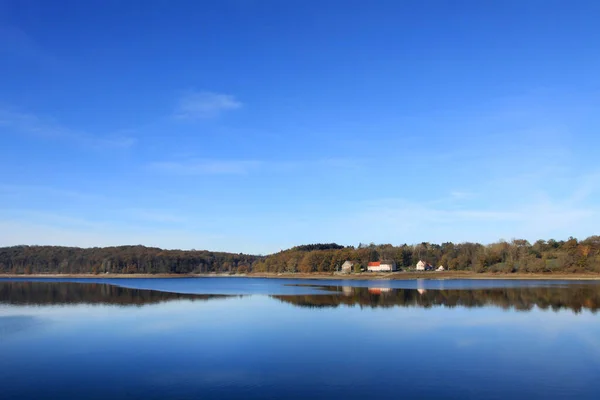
543,256
503,257
119,260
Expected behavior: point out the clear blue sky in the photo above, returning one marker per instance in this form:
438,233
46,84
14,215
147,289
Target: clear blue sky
252,126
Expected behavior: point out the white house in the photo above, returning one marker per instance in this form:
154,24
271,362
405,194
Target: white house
347,267
382,266
421,265
441,268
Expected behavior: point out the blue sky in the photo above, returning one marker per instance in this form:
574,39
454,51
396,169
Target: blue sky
253,126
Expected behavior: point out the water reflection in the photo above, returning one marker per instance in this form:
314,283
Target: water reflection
56,293
258,346
575,297
571,297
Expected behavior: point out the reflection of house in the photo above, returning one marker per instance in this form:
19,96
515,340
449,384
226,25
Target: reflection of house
441,268
381,266
379,290
347,290
421,286
347,267
421,265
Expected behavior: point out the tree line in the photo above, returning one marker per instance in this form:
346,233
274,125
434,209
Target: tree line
119,260
518,255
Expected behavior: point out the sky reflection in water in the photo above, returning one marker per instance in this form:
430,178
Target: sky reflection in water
60,339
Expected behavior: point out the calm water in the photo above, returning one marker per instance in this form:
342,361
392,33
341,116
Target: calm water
259,338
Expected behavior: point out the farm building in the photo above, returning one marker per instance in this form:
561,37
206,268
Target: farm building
347,267
381,266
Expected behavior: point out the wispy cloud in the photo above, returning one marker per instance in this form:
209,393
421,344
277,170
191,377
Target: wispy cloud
65,231
55,219
31,124
242,167
16,43
207,167
460,195
201,105
23,191
158,216
409,221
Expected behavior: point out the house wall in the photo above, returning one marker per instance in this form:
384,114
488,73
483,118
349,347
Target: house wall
382,268
347,267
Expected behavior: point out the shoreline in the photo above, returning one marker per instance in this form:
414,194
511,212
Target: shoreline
330,276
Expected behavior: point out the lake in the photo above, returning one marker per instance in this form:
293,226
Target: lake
245,338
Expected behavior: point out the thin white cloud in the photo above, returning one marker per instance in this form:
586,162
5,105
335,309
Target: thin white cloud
16,43
55,219
158,216
206,167
23,191
201,105
407,221
30,124
460,195
243,167
21,230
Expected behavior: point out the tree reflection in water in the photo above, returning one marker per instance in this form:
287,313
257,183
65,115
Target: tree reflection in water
572,297
56,293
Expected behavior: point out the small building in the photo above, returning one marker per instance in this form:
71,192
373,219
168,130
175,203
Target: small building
347,267
441,268
381,266
421,265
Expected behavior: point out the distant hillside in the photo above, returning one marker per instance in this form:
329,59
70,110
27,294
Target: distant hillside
118,260
515,256
318,246
571,255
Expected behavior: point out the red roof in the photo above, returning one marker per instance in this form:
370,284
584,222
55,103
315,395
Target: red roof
374,264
